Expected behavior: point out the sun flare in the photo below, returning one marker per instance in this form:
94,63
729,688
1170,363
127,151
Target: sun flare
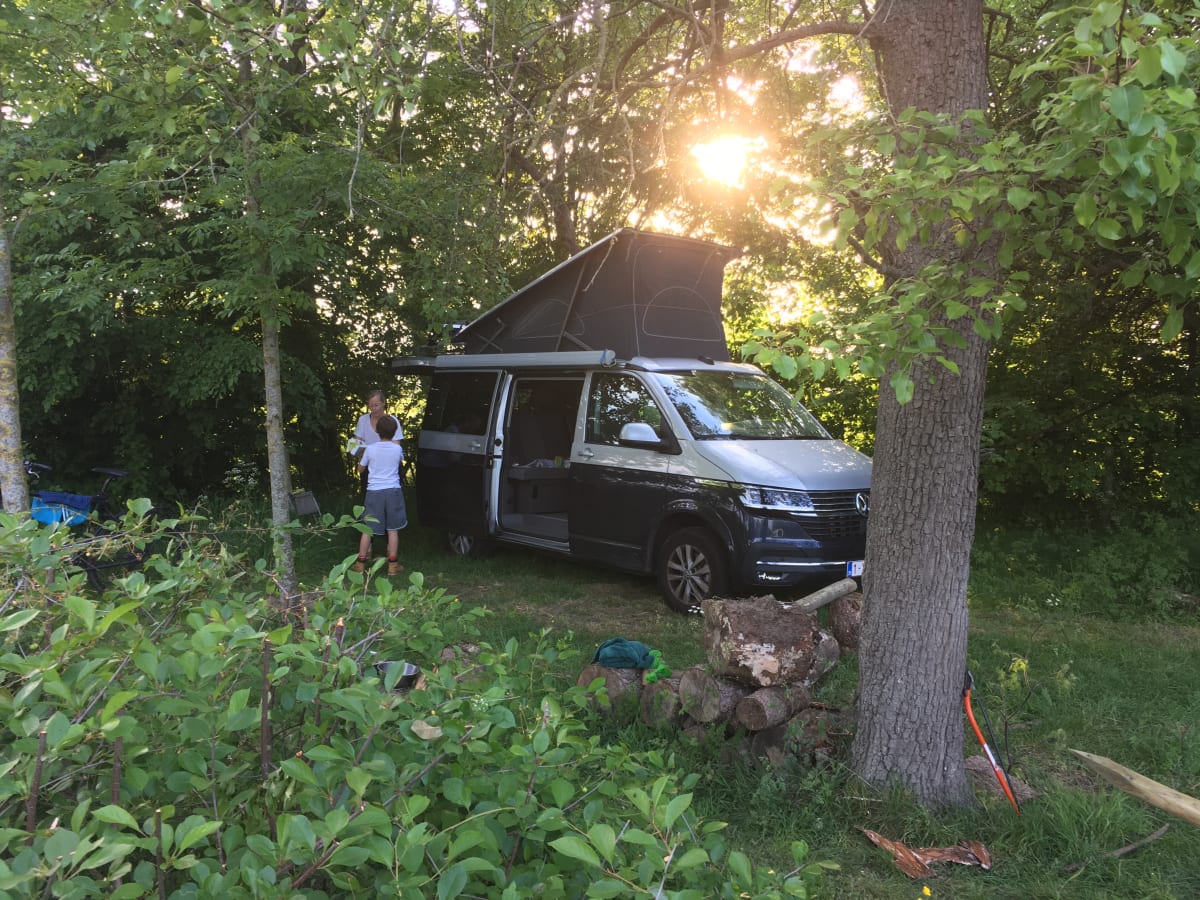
726,158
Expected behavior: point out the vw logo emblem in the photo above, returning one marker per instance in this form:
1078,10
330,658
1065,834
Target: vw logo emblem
863,504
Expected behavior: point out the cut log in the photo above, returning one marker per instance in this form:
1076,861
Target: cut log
770,706
707,698
661,707
845,620
759,642
620,685
825,657
1129,781
824,596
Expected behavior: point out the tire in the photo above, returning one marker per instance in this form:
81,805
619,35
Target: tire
468,545
691,567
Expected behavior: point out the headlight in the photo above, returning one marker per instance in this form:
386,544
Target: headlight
777,501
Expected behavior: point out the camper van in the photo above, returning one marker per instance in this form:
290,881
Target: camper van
700,470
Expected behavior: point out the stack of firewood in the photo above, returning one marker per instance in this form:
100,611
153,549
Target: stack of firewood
763,657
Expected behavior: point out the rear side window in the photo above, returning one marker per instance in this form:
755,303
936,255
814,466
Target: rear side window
459,402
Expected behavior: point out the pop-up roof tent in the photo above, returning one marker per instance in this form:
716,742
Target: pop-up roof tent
634,292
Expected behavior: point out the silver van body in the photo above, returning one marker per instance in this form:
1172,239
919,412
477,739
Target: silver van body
704,472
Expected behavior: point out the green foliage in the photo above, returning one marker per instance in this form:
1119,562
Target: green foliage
182,735
1146,568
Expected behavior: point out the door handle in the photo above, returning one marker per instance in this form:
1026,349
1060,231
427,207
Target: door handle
475,445
586,453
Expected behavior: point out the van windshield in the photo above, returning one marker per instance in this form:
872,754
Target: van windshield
738,405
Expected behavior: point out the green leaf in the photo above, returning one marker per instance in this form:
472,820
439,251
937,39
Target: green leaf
185,839
82,608
1173,324
298,770
607,887
902,384
1149,64
115,815
115,703
576,848
18,619
786,367
322,753
1173,62
452,882
740,864
604,839
696,856
676,808
358,780
1085,209
1110,229
1127,102
1019,198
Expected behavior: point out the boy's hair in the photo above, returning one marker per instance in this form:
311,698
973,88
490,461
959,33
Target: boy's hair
386,427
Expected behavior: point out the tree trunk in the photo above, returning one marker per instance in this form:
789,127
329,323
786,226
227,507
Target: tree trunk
13,488
913,643
277,458
277,461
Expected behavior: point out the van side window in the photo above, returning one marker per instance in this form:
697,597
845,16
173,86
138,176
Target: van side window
460,401
615,400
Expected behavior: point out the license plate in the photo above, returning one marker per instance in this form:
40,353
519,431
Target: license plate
854,568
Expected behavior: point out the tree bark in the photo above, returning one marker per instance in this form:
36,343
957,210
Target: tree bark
912,654
707,698
278,465
770,706
759,642
13,488
661,707
845,620
618,683
277,461
824,596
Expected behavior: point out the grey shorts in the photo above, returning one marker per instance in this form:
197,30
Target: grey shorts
385,511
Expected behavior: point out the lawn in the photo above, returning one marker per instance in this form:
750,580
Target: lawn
1048,680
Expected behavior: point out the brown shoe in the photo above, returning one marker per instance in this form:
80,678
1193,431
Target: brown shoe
360,565
394,568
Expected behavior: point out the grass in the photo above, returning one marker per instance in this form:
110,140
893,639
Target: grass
1050,679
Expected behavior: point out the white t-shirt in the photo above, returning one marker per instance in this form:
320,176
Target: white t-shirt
382,460
366,434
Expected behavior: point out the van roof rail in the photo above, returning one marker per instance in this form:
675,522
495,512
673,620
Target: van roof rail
416,365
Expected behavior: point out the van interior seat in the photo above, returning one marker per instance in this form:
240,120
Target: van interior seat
536,435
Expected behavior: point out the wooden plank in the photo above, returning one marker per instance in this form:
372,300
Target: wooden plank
1129,781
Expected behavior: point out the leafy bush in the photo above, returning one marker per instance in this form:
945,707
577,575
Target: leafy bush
1141,570
183,734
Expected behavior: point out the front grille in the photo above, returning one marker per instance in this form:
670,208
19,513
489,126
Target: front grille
836,517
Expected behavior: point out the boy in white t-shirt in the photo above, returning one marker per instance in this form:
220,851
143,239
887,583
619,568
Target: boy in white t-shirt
384,502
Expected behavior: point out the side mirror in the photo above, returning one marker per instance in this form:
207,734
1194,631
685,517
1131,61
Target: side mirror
641,435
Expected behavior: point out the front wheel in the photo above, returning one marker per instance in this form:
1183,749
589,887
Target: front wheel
691,568
468,545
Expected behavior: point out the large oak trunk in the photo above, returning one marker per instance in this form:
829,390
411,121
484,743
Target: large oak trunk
912,653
